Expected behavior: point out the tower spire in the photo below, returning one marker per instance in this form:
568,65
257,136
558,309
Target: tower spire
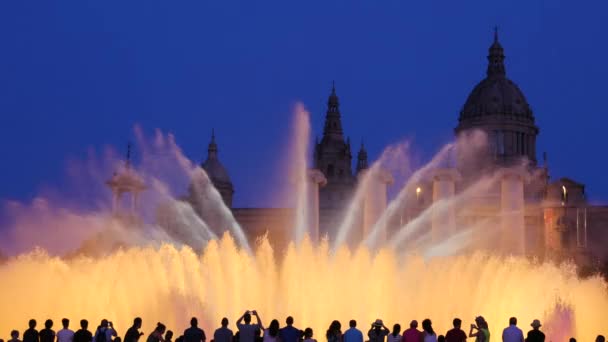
128,159
496,58
333,123
212,149
362,158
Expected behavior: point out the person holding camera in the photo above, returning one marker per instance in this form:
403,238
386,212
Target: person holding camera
247,330
378,331
482,333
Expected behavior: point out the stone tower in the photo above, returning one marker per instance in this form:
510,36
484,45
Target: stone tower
362,163
498,107
333,157
217,173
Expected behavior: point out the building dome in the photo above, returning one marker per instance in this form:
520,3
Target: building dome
496,96
499,108
217,173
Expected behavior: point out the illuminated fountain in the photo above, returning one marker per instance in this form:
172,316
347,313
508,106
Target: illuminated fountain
412,273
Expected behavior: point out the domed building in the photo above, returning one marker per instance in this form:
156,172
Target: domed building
217,172
499,108
547,219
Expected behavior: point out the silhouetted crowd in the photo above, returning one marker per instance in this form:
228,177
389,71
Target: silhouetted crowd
257,332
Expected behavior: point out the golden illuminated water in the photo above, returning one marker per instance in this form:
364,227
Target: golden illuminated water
314,284
170,284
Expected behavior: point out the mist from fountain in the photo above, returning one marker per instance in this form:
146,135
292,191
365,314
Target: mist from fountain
159,274
299,170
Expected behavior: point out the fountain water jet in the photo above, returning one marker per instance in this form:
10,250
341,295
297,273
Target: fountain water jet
172,282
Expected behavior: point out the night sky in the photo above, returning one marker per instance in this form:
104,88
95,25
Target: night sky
76,75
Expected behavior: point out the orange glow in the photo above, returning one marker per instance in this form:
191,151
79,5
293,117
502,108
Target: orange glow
170,284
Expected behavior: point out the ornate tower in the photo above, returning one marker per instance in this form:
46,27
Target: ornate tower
217,173
362,159
333,157
126,182
498,107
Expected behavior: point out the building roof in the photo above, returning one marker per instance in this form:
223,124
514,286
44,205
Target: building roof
214,168
496,95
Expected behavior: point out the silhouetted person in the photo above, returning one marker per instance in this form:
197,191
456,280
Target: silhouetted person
289,333
308,335
412,334
572,339
456,334
272,333
440,338
480,330
169,336
395,335
47,334
257,335
600,338
133,334
105,332
428,334
223,334
352,334
512,333
535,335
31,334
334,333
14,336
65,334
247,330
194,333
157,334
83,334
377,332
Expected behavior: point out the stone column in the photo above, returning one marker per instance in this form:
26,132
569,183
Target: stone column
512,208
443,216
375,202
315,180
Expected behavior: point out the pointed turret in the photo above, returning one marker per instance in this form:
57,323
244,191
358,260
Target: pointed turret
362,159
333,122
496,58
333,157
212,149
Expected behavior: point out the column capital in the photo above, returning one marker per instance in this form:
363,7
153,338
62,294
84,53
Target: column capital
445,174
381,175
514,174
317,177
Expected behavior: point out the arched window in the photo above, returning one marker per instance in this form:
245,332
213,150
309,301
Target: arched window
564,195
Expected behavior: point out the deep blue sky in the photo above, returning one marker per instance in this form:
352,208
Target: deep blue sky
79,74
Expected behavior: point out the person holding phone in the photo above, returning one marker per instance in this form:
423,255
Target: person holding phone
481,334
247,330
